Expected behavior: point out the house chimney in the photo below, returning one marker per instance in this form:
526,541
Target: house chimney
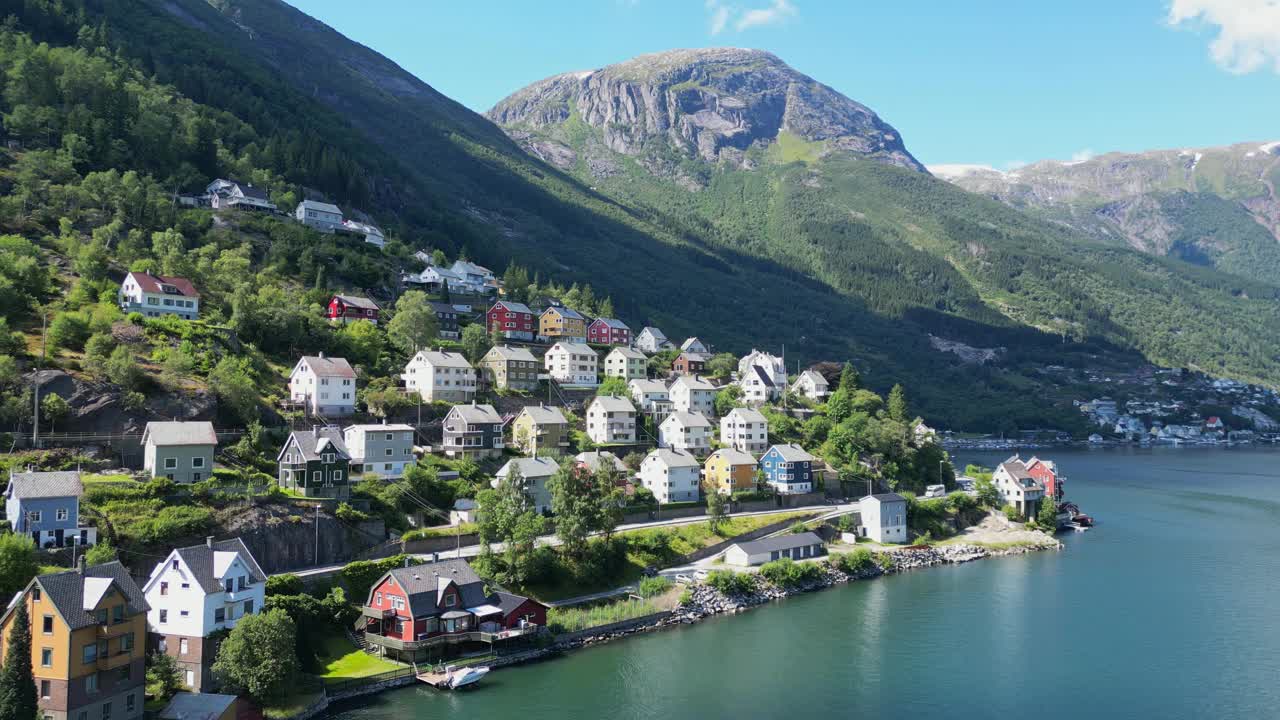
315,431
321,355
208,541
81,564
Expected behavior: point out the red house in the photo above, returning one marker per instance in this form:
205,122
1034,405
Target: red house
514,320
689,363
349,308
608,331
422,611
1046,471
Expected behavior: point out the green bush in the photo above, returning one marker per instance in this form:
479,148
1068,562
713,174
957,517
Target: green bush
652,586
348,514
798,527
885,561
1011,513
287,584
852,562
786,573
729,582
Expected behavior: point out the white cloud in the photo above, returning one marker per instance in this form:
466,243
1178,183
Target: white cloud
1248,36
723,15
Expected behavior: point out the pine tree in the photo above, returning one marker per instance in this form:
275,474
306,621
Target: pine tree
17,684
898,403
849,378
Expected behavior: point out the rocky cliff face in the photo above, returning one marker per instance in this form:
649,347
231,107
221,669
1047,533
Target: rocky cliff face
712,104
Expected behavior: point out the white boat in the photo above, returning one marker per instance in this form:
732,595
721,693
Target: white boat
458,678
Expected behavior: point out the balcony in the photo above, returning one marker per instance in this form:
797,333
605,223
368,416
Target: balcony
449,638
111,662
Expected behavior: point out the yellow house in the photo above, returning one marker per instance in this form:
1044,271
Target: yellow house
562,322
728,471
539,430
88,637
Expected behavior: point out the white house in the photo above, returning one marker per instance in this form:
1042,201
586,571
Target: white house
745,429
369,233
671,475
198,591
690,393
179,451
651,340
884,517
534,474
812,385
571,363
695,345
156,295
611,421
440,375
325,386
1018,487
651,396
625,363
319,215
228,194
773,367
385,450
686,431
796,546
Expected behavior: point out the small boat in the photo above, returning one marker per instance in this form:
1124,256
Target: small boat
1082,519
458,678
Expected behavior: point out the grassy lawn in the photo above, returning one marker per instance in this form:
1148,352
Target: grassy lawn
440,531
581,617
343,661
90,478
291,705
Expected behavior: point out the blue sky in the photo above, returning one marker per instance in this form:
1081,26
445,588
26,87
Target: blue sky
995,82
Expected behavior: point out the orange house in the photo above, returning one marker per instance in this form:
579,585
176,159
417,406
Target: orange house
728,471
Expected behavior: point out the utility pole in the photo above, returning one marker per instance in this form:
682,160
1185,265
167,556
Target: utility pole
35,386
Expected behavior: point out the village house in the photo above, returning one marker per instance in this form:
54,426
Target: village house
46,506
561,323
369,233
447,320
1017,487
534,472
690,393
762,377
728,471
686,431
195,594
1046,472
611,421
625,363
796,546
476,279
324,386
671,475
88,642
385,450
424,611
157,295
609,331
651,396
695,345
651,340
316,463
788,469
179,451
511,368
473,431
540,429
811,385
884,518
689,363
321,216
511,320
439,375
745,429
465,510
593,459
344,309
232,195
571,363
435,279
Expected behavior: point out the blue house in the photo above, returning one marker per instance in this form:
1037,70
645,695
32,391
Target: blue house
788,469
46,505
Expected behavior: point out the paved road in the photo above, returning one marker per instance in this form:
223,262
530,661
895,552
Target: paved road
474,550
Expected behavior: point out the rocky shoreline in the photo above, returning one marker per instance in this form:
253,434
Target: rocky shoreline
706,601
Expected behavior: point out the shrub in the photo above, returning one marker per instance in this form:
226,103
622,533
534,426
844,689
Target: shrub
786,573
686,598
288,584
729,582
885,561
651,586
348,514
852,562
798,527
1012,513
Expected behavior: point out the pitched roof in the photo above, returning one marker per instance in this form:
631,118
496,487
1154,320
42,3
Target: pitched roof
439,307
442,358
747,415
763,376
572,347
466,266
27,485
692,382
474,413
733,457
815,377
357,301
529,467
507,602
609,403
250,191
691,356
543,415
68,591
593,458
378,427
614,323
156,284
627,353
327,366
513,306
654,332
781,542
167,434
423,583
674,458
886,497
506,352
691,341
311,443
688,419
792,453
203,563
320,206
564,312
648,386
197,706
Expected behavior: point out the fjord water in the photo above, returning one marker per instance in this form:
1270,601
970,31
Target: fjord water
1166,610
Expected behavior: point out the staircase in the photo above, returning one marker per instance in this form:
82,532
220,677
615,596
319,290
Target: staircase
360,642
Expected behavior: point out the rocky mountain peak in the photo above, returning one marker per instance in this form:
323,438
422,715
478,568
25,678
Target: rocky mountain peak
712,103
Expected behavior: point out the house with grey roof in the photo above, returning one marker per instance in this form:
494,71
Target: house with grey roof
1018,487
179,451
686,431
440,375
625,363
593,459
695,345
795,546
511,368
195,593
316,463
571,363
690,393
322,216
883,517
540,429
652,397
473,431
325,386
671,475
745,429
46,506
232,195
789,469
812,385
651,341
382,449
534,472
611,420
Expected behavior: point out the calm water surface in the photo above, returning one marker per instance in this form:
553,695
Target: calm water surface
1167,609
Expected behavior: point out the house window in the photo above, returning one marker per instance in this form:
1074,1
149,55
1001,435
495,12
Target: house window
101,616
197,462
164,616
196,477
63,513
46,657
117,615
450,600
337,475
248,607
34,516
182,646
106,711
130,701
126,643
46,688
377,599
47,623
89,653
170,463
220,615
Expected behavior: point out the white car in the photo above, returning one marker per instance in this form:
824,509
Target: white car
682,578
701,574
